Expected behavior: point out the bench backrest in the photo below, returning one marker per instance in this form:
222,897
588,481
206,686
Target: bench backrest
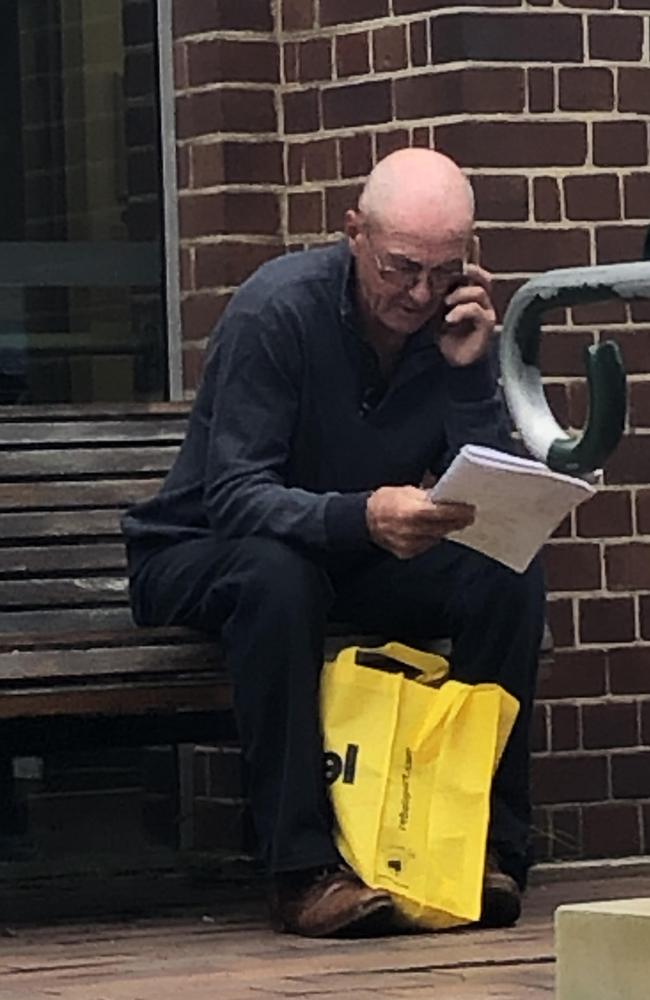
66,474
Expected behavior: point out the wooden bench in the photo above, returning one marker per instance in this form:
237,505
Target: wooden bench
74,670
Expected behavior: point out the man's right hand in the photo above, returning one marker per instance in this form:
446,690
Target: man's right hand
404,521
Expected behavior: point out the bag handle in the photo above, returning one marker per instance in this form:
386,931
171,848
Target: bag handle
431,666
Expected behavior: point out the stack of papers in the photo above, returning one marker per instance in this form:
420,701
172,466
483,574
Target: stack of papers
519,503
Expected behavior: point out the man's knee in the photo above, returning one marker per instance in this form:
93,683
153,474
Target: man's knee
270,571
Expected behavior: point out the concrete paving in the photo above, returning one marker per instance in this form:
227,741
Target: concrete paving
227,952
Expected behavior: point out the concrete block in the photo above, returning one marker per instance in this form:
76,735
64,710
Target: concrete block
603,950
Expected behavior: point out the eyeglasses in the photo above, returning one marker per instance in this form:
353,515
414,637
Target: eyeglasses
404,274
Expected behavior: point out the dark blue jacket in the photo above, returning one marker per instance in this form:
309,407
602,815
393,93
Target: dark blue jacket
293,425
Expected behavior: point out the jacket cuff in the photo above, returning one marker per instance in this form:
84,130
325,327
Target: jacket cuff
468,383
345,521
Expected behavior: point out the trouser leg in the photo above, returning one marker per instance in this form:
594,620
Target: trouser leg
269,604
495,619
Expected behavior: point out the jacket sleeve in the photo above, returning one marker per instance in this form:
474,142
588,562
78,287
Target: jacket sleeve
257,372
474,411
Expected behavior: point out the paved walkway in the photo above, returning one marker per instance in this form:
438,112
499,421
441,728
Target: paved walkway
231,955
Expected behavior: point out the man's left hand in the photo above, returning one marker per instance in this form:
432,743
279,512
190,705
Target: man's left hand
469,320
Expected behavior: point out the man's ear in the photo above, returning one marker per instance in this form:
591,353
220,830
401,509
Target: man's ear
352,227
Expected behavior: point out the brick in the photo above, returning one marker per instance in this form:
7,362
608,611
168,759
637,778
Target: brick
229,212
237,163
180,65
305,212
635,346
628,566
629,670
542,839
301,111
230,262
342,11
572,566
560,618
367,103
640,310
224,773
319,159
337,201
388,142
593,196
607,514
575,673
186,268
631,775
619,243
538,728
416,6
611,830
226,110
534,250
421,136
615,37
290,53
569,778
586,89
356,155
565,727
587,3
608,725
297,14
500,198
645,722
191,18
643,511
634,4
563,529
514,144
557,396
546,196
639,404
419,43
566,833
637,195
238,61
138,24
630,463
620,143
389,48
139,73
634,90
219,825
541,90
352,54
315,60
200,312
644,611
506,37
578,404
599,313
182,167
460,92
606,619
193,361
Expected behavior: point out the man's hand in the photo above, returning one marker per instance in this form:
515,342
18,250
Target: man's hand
404,521
470,318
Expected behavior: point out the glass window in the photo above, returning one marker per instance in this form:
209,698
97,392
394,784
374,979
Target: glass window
81,262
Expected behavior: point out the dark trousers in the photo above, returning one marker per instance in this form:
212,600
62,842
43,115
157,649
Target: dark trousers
271,602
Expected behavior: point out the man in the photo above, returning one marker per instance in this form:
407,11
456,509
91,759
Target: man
336,381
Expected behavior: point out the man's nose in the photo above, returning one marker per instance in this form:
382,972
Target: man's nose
421,292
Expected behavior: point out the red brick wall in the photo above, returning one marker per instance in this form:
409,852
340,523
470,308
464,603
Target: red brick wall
282,112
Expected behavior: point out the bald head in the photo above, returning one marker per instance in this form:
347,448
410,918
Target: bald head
418,190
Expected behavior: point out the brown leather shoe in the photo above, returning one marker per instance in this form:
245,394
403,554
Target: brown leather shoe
501,896
329,903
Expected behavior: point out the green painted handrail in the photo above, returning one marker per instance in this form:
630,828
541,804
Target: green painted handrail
522,382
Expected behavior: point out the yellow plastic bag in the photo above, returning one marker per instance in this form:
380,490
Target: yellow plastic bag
410,766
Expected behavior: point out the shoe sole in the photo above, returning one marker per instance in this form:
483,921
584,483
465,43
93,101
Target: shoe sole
374,920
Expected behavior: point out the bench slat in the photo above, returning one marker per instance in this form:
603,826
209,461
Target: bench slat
128,635
132,662
62,496
152,411
167,697
63,592
78,620
44,560
57,433
60,524
75,462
